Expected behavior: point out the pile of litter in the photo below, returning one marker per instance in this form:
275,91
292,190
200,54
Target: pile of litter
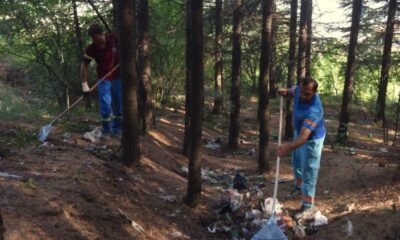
244,208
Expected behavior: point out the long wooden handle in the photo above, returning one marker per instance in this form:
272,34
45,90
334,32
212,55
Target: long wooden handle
278,159
81,97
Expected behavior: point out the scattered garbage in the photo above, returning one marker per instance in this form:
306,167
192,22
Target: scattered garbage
254,213
67,135
93,136
47,144
350,207
320,220
169,198
214,143
7,175
383,150
178,234
252,151
349,228
235,200
350,151
239,182
267,207
243,210
137,226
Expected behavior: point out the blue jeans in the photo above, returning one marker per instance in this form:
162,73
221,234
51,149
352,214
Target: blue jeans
306,162
110,99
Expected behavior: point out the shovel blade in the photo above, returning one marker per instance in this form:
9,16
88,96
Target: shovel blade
44,132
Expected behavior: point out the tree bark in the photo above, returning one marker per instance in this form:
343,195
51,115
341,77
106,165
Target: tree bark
197,103
115,15
233,142
265,68
386,59
273,74
397,122
309,39
349,77
301,61
78,31
130,121
145,112
291,69
218,97
186,138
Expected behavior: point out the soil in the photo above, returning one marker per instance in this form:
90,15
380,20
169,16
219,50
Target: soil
71,188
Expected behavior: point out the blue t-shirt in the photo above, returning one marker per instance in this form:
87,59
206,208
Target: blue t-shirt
309,115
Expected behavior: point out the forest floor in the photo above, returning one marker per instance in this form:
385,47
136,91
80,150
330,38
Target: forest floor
72,188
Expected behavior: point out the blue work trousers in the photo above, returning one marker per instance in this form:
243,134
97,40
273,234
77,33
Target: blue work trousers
306,162
110,99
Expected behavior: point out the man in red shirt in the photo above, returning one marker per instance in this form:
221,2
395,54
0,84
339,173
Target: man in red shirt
103,50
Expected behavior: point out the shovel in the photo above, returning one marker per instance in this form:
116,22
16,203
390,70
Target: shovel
271,230
45,130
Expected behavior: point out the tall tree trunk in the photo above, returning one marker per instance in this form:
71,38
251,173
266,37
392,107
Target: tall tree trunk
197,103
301,61
218,99
103,21
349,77
80,48
130,120
78,31
381,101
273,74
186,138
309,39
115,15
145,112
265,68
396,131
291,69
233,142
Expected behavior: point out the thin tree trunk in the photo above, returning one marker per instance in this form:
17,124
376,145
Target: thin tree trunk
186,139
301,61
291,69
218,97
273,73
80,47
144,66
99,15
349,77
309,39
233,142
78,31
386,59
397,122
115,15
197,103
130,121
265,68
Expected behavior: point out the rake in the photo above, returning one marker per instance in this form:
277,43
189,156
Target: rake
271,230
45,130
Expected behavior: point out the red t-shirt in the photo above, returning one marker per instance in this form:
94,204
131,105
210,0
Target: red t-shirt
106,58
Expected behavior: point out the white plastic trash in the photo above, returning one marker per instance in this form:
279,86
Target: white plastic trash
268,206
320,219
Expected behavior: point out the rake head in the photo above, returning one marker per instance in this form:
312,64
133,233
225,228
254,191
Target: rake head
270,231
44,132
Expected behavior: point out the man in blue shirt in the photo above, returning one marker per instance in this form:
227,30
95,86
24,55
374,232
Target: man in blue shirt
309,135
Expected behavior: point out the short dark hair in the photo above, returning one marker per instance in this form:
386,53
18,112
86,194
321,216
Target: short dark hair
95,29
309,80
